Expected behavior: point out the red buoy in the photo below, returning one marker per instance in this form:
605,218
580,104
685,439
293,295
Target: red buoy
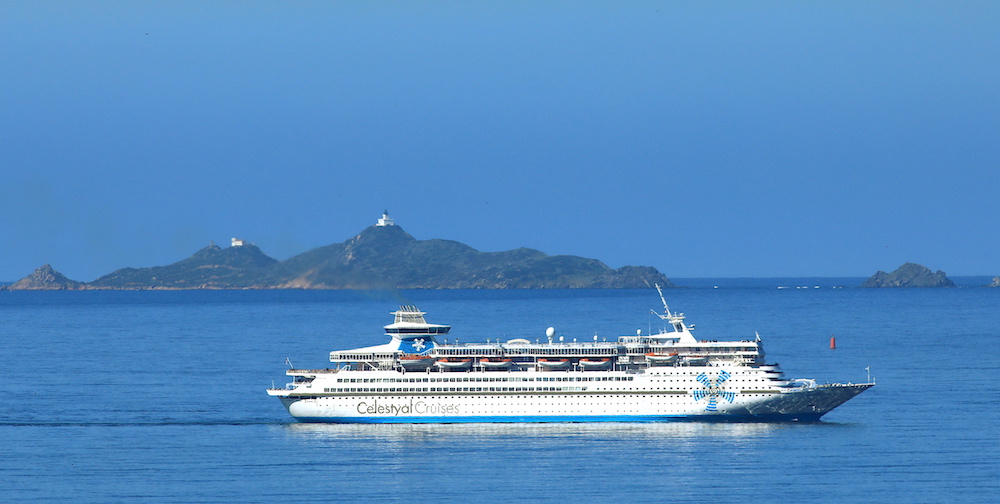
833,343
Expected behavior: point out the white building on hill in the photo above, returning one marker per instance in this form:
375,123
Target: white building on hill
385,220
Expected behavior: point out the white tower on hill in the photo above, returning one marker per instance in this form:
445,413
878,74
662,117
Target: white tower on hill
385,220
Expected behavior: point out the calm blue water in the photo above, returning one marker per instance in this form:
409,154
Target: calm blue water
159,397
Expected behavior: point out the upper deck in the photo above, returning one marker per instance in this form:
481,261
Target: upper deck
413,347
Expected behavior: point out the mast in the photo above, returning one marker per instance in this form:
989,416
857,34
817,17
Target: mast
666,309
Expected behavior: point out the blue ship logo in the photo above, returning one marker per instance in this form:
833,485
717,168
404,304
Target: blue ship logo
713,390
416,346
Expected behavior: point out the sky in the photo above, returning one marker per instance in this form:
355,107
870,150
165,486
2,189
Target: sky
706,139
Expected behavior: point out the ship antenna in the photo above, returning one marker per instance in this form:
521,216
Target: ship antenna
290,366
666,309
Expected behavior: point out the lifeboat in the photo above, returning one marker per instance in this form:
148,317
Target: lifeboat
553,364
414,362
496,364
661,359
454,364
595,364
696,360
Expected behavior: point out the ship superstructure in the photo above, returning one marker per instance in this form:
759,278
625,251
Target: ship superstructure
671,375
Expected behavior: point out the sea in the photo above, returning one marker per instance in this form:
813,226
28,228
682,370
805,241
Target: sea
159,397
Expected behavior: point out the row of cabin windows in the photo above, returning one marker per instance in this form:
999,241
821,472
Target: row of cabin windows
485,379
455,389
529,351
694,349
422,330
607,352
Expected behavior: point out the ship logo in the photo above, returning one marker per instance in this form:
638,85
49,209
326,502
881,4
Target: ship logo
416,346
713,390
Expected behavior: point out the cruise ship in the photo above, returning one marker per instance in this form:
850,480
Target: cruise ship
669,376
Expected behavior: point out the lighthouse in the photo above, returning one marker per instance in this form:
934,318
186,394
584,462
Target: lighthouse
385,220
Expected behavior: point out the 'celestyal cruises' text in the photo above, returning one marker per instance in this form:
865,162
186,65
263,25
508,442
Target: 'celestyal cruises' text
418,407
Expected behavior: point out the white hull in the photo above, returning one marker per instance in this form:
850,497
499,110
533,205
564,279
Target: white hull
573,396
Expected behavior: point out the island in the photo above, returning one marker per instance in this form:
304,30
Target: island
909,275
382,256
45,278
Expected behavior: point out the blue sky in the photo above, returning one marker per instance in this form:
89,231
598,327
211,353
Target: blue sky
707,139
